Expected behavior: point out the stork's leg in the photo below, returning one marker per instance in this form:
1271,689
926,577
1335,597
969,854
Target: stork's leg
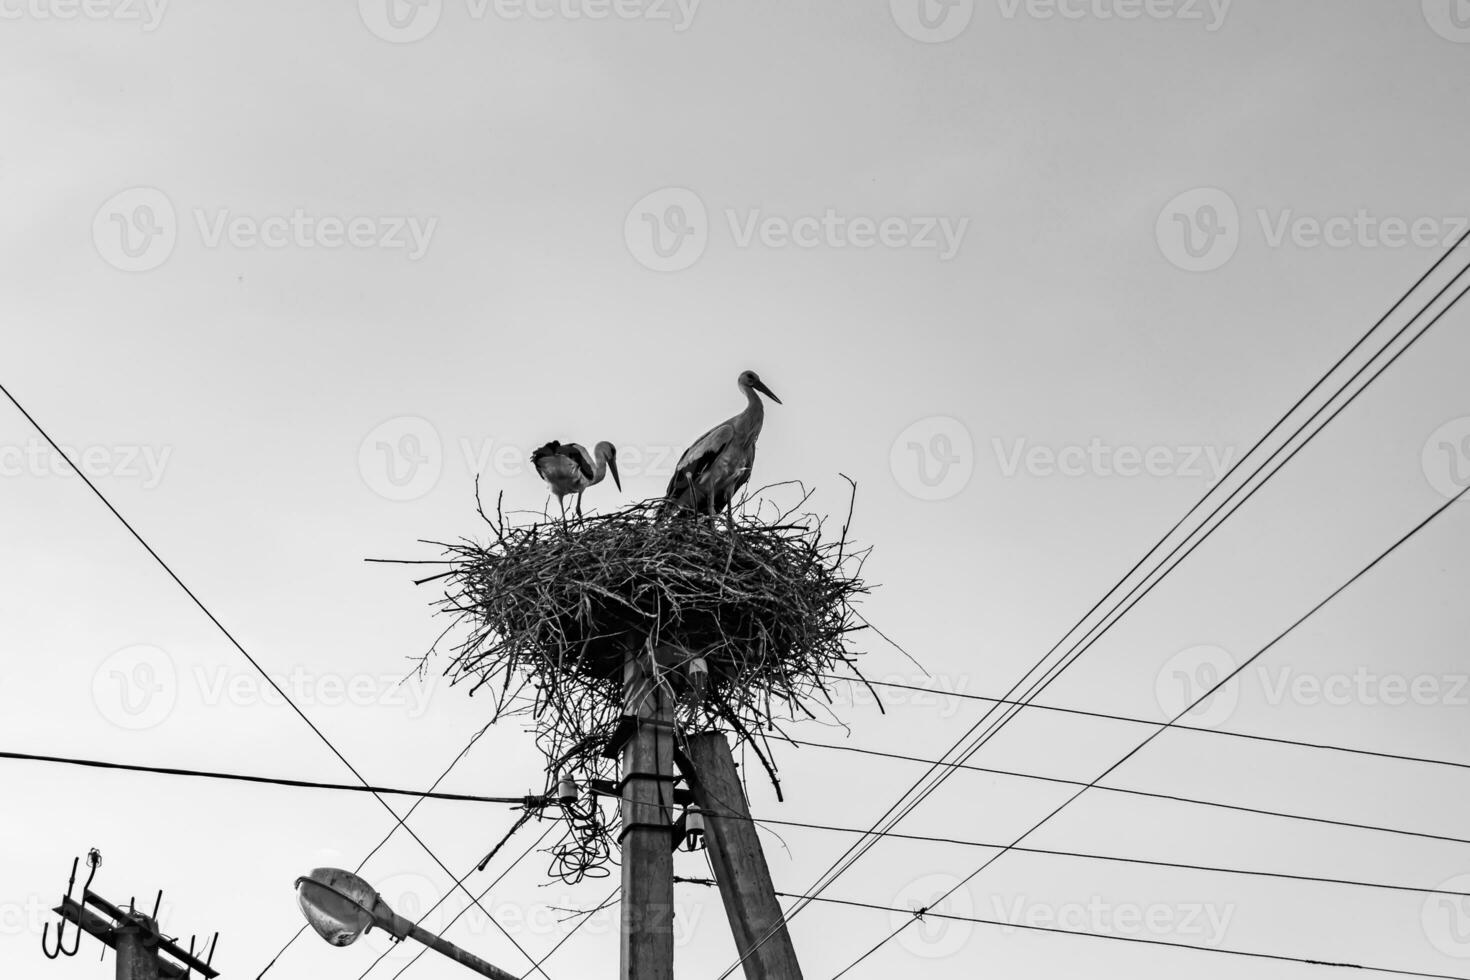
562,501
579,505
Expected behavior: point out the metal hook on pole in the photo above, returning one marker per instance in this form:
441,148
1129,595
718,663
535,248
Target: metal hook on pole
94,859
190,963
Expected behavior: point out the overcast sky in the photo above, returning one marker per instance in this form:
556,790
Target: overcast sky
286,277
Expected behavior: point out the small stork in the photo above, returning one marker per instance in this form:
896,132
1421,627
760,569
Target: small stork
570,468
713,470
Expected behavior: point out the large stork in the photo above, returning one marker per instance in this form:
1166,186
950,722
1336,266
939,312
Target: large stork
713,470
569,468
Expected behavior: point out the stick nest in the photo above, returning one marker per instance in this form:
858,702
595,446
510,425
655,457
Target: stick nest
545,614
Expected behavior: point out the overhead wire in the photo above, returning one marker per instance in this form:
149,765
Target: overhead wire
1123,790
899,810
1081,855
445,897
930,913
382,843
1164,726
528,800
585,917
1134,720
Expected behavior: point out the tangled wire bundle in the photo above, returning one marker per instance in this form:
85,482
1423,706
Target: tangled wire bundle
747,618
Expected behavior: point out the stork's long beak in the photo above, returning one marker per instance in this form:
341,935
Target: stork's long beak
612,467
761,387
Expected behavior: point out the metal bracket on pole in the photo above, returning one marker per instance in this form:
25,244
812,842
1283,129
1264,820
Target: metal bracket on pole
133,935
628,726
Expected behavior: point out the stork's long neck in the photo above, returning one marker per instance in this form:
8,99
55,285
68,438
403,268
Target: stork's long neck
599,467
755,411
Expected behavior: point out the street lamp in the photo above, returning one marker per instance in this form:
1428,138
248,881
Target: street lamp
341,907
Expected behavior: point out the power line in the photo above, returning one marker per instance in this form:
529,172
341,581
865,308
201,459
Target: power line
1239,808
536,801
1252,954
1083,645
229,636
1162,570
893,815
445,897
1098,630
586,918
1218,685
531,801
1080,855
1132,720
180,583
1159,544
536,964
386,837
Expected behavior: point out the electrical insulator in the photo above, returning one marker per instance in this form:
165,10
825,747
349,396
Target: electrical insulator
699,674
566,790
693,829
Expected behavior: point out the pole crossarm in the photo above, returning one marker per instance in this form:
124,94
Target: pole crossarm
117,924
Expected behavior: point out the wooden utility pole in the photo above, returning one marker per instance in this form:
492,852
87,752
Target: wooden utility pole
740,866
647,834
